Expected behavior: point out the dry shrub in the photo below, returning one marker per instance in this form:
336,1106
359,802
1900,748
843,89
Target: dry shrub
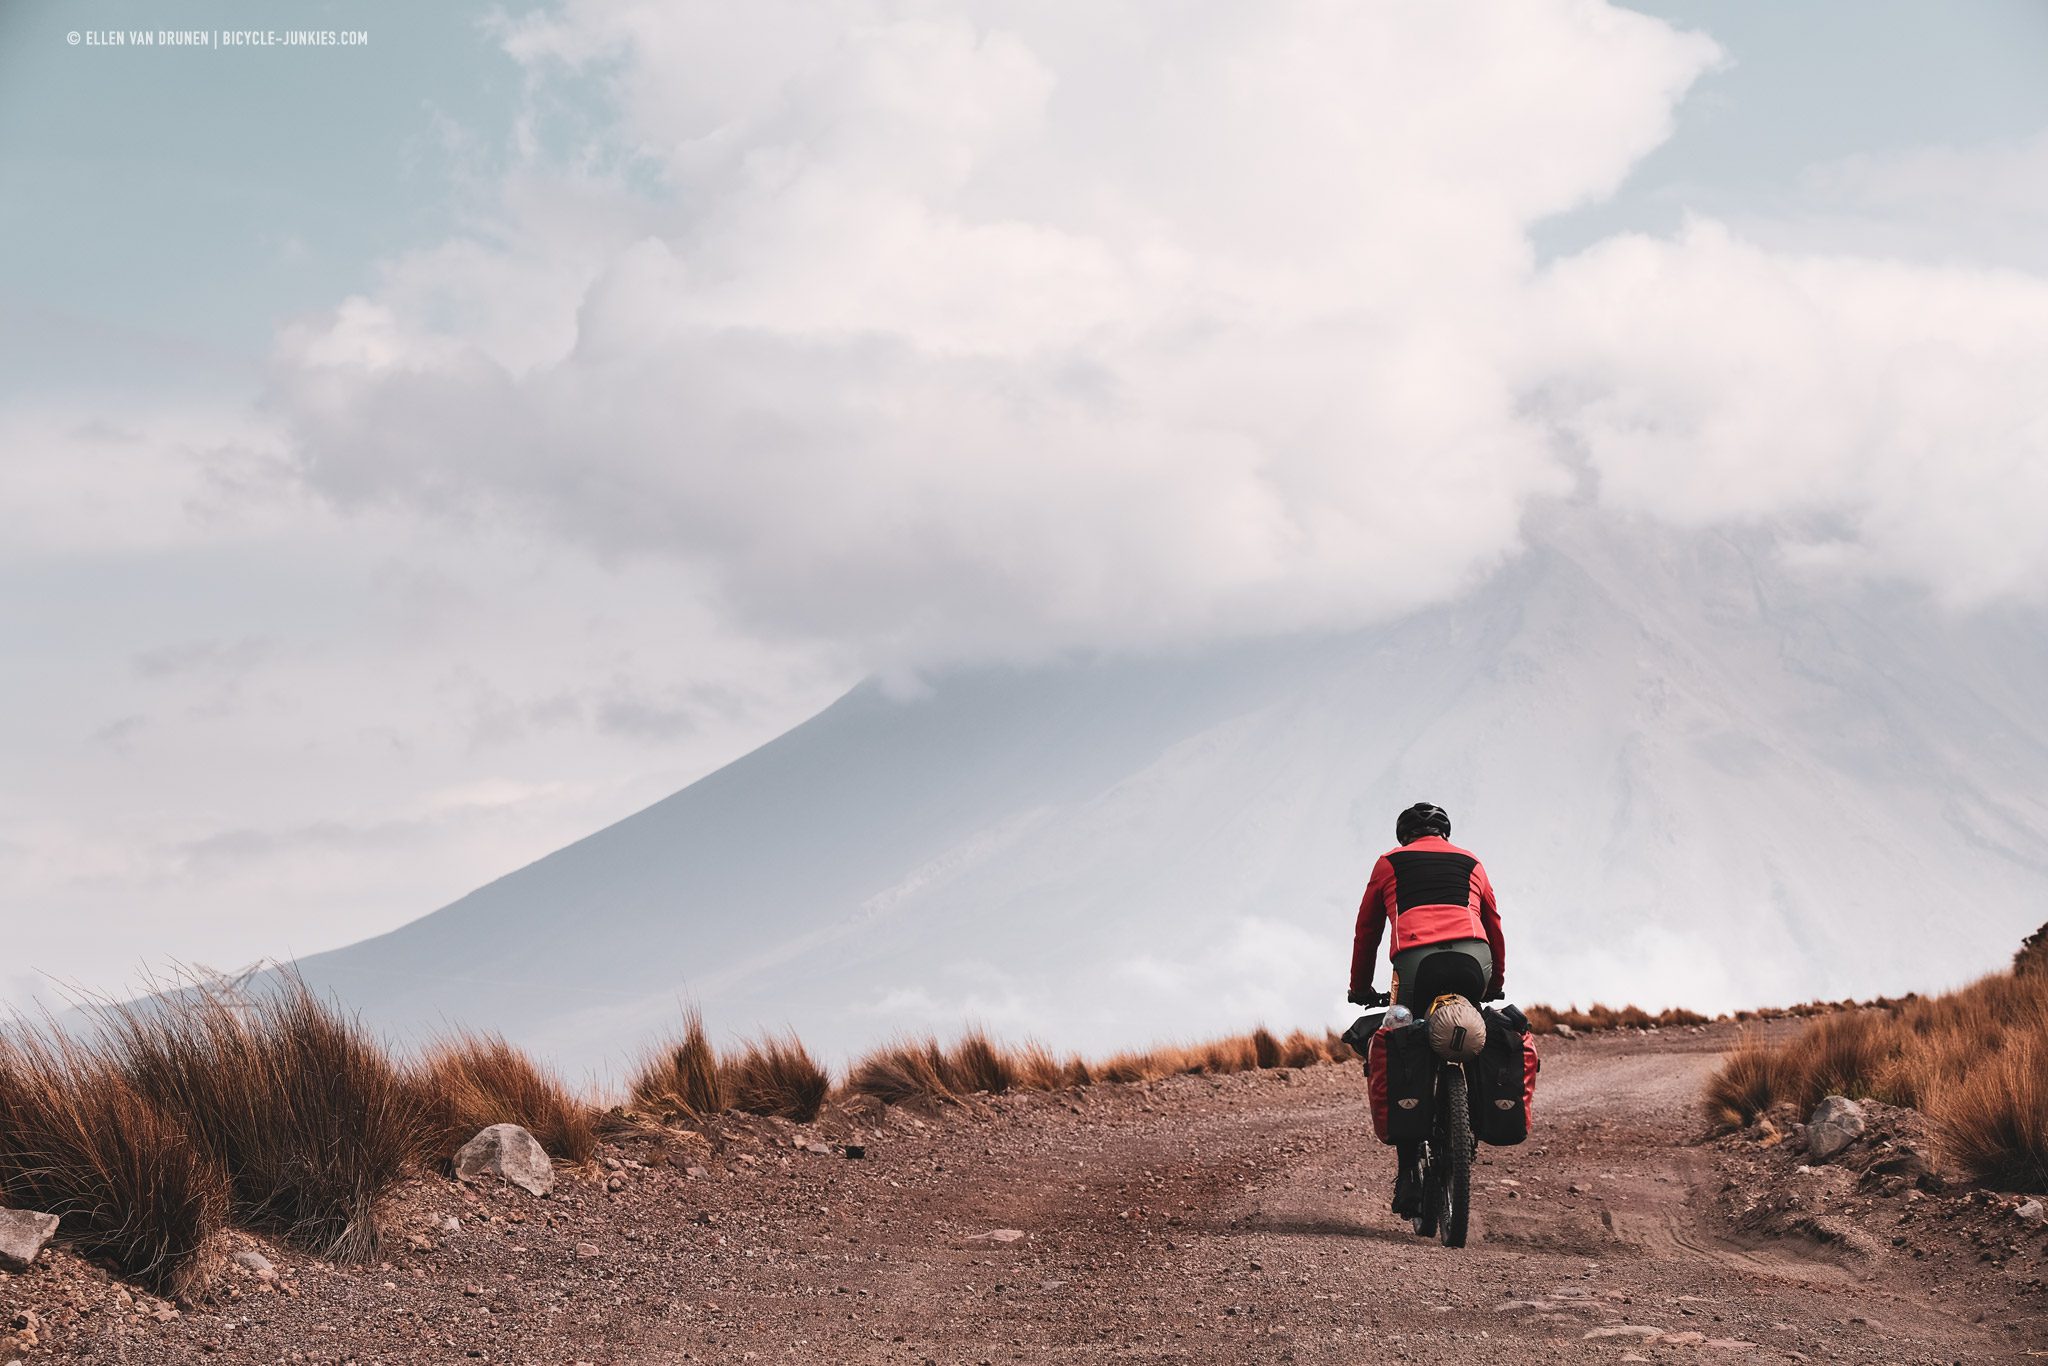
1335,1049
921,1070
1746,1084
1234,1053
129,1185
2032,959
297,1104
1838,1055
1995,1121
776,1076
1129,1067
470,1082
681,1076
975,1064
1545,1019
1037,1069
1975,1061
902,1072
1299,1050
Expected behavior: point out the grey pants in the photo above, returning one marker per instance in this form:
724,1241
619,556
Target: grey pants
1408,967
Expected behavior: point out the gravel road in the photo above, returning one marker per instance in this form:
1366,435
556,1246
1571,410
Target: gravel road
1226,1219
1244,1219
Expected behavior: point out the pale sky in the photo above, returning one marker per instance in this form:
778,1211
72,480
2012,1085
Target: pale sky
418,455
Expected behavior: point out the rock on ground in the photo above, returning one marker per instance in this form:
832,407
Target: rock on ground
255,1262
510,1153
22,1235
1836,1123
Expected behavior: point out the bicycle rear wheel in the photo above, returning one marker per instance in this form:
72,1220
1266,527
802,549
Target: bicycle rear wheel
1454,1159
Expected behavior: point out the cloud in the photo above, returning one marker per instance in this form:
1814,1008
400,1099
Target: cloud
217,657
1009,330
1709,380
994,332
1985,204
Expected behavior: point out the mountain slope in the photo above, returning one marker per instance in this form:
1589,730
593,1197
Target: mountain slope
1695,777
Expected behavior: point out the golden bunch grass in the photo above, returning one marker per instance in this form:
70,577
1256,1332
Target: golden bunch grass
125,1178
775,1076
681,1076
1545,1019
306,1113
469,1081
193,1111
1974,1061
907,1071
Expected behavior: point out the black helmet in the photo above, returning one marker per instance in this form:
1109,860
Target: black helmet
1419,820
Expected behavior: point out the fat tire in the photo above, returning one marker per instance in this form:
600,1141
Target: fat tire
1455,1159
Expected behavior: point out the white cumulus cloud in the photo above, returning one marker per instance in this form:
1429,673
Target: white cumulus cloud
994,330
987,330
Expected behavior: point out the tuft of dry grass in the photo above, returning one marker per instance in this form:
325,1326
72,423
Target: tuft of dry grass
1299,1050
1131,1067
1841,1055
1746,1084
775,1076
1545,1019
302,1109
129,1185
469,1082
975,1064
1038,1070
1974,1061
907,1071
2032,957
1995,1120
681,1076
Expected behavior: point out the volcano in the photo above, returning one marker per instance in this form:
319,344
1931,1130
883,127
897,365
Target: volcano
1698,772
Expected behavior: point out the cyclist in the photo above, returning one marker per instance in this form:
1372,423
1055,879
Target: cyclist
1446,937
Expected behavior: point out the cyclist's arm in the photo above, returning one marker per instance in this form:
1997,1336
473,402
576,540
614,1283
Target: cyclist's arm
1372,923
1489,916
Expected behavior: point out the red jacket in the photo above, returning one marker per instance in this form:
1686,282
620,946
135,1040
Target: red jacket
1432,891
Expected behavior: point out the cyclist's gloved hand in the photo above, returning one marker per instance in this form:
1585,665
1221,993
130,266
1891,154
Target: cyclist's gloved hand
1368,997
1496,994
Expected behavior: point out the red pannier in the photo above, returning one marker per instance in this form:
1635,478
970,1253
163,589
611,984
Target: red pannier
1504,1082
1400,1074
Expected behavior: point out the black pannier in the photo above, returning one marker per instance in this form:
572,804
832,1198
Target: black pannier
1503,1080
1401,1075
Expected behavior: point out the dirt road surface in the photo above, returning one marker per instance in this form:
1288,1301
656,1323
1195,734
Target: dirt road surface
1227,1219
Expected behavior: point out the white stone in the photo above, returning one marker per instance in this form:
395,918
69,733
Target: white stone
251,1260
1836,1123
510,1153
22,1235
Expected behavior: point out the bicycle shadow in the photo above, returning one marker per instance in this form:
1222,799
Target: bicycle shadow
1323,1226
